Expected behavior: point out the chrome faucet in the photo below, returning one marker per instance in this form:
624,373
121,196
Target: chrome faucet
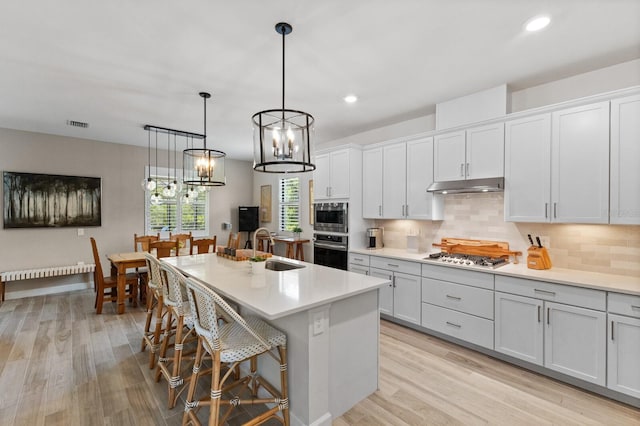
255,236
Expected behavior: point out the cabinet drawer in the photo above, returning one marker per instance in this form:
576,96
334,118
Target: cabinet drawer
465,327
460,276
624,304
470,300
359,259
567,294
395,265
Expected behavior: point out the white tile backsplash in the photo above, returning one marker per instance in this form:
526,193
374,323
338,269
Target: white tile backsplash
613,249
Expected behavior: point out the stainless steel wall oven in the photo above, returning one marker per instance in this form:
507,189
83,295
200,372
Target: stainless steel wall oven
331,250
331,217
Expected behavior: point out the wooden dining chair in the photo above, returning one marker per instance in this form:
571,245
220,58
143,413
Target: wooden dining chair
110,283
165,248
181,238
202,245
142,241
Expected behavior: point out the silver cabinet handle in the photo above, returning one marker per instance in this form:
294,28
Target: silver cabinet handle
406,209
358,259
546,210
612,331
548,316
403,210
539,313
453,325
555,210
392,265
327,191
635,307
380,210
393,280
461,169
448,296
548,293
468,174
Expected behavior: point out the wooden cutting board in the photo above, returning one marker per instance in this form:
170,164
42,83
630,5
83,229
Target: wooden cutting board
478,248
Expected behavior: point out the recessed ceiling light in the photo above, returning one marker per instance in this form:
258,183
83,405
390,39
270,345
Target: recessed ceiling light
350,99
537,23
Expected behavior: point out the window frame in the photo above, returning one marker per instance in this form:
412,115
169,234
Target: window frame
282,203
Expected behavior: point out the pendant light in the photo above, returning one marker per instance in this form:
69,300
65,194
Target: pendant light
282,137
203,167
148,183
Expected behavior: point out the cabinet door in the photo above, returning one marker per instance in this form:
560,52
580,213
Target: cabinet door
394,181
372,183
386,292
518,327
419,177
580,164
623,370
449,156
407,297
339,174
625,158
575,342
485,152
527,171
321,177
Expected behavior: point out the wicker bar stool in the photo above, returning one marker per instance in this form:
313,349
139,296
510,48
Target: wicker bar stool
178,328
231,343
155,304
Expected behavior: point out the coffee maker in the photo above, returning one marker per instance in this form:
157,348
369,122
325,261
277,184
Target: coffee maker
374,238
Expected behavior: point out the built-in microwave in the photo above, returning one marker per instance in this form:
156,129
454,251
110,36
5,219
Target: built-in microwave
331,217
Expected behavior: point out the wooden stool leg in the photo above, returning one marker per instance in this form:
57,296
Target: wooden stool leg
156,333
190,404
284,405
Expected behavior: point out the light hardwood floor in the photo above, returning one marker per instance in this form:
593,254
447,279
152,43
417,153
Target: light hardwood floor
60,364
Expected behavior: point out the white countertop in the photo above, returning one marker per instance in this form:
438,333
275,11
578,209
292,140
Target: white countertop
595,280
275,294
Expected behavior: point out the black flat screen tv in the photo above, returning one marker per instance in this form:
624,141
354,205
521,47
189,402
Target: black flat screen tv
248,219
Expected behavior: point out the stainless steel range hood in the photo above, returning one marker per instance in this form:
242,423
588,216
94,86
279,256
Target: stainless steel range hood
468,186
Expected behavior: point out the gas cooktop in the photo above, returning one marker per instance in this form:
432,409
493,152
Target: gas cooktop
468,260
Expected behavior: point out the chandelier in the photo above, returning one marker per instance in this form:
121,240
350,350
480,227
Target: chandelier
282,137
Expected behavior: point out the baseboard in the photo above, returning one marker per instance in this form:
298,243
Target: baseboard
41,291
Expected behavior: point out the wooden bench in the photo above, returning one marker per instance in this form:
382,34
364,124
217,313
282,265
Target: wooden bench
51,271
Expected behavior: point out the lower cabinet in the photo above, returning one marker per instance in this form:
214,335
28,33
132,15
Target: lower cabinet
358,263
623,344
469,328
565,338
401,299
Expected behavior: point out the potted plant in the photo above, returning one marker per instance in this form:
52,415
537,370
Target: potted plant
257,265
296,232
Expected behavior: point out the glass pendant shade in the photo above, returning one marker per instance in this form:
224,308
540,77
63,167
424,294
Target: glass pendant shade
282,138
148,184
203,167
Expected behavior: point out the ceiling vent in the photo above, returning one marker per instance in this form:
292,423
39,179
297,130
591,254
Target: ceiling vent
74,123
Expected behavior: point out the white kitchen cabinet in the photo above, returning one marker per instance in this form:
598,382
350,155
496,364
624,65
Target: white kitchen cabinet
562,328
372,183
331,177
395,182
527,169
359,263
402,298
472,154
557,166
625,158
359,269
623,344
580,164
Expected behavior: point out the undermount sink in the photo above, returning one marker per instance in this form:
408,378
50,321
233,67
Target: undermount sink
277,265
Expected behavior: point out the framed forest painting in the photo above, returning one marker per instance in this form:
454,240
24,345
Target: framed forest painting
33,200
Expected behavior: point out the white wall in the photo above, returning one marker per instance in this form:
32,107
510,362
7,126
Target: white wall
121,168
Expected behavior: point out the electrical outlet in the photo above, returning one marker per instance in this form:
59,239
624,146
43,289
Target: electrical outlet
318,323
80,232
546,241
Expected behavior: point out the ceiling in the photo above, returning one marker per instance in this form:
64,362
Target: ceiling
119,65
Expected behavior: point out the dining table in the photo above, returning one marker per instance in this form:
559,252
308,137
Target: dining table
120,262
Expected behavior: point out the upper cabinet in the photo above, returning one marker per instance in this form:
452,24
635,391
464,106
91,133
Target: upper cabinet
331,177
557,166
625,158
474,153
395,181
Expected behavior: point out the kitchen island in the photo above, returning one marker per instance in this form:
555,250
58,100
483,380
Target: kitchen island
331,320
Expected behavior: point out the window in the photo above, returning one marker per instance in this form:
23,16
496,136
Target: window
175,216
289,203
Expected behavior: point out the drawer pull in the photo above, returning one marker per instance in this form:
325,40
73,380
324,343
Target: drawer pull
453,297
539,313
550,293
635,308
548,316
454,325
358,259
392,265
